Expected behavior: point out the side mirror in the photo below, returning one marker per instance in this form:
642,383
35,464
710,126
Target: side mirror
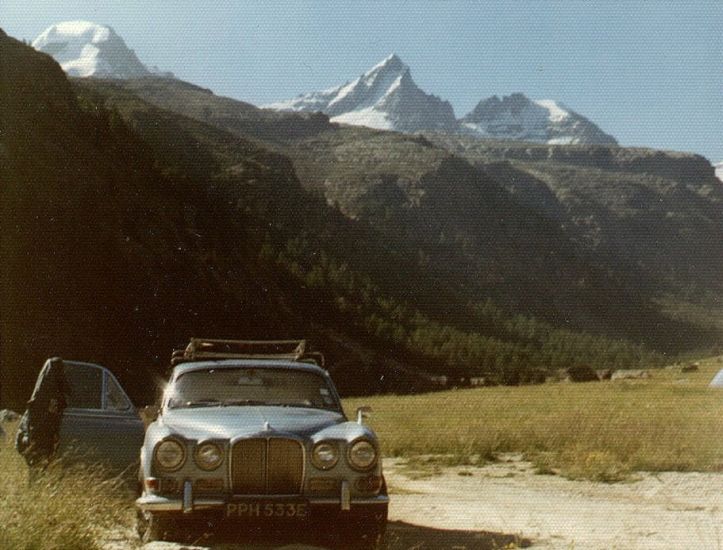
362,413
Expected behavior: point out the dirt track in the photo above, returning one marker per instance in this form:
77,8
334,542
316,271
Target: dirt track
507,503
655,511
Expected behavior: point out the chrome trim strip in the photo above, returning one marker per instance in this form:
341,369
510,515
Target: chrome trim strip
155,503
104,395
206,503
345,496
187,497
381,499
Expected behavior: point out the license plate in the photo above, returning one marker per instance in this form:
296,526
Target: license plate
267,509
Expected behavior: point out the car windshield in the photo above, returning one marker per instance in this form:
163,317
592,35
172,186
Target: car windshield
251,386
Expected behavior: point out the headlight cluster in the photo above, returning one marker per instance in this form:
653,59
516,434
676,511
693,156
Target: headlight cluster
170,455
362,455
208,456
325,455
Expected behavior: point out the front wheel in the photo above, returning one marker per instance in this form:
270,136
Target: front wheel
372,534
365,531
152,527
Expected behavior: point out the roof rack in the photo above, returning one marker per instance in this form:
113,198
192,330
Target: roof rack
214,348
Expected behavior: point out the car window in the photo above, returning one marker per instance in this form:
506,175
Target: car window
252,386
85,386
115,397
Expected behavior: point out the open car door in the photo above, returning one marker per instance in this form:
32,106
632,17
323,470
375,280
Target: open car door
99,422
83,408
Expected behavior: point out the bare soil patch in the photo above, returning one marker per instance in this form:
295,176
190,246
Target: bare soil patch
651,511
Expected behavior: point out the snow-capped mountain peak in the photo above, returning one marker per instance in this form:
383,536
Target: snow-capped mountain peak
520,118
88,49
384,97
719,170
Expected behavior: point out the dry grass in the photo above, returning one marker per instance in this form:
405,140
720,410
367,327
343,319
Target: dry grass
60,509
601,431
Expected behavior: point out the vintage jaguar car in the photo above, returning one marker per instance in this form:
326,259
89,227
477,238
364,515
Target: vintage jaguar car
254,432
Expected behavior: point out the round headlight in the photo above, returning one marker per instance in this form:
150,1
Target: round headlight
325,455
362,455
170,454
209,456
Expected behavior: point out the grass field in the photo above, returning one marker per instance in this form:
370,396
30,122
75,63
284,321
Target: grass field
67,509
597,430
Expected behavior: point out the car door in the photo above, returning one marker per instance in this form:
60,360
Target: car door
99,423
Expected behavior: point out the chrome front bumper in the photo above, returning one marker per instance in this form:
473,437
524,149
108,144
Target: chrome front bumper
149,502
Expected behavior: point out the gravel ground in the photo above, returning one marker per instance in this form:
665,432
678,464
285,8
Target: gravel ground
506,504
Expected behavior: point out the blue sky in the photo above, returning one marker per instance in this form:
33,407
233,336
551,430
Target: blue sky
649,73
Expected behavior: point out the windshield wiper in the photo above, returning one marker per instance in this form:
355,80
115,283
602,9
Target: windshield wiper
202,403
299,404
243,402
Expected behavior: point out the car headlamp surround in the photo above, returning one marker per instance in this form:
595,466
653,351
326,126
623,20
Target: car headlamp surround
208,456
325,455
164,451
362,455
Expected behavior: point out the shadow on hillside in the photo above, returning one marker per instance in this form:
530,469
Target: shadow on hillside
400,535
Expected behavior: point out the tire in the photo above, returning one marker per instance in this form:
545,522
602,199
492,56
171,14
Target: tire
366,531
371,535
152,527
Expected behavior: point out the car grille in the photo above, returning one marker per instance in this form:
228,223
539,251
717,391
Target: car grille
273,466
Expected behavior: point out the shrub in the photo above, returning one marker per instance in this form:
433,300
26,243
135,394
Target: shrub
582,373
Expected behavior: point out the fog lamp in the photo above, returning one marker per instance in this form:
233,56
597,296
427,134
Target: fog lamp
369,484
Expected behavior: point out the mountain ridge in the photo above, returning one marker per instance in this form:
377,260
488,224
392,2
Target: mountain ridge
385,98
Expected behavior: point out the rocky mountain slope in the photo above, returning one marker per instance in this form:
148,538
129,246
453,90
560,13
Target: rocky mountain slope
661,212
422,200
87,49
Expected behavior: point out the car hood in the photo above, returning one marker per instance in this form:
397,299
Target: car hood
246,421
